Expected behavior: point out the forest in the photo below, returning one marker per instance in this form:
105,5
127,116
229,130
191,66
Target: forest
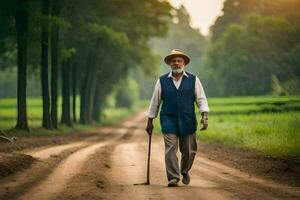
76,58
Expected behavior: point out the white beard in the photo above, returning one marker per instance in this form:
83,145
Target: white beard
177,71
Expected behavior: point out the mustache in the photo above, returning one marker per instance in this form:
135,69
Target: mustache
176,67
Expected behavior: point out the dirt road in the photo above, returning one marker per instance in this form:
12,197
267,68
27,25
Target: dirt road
107,166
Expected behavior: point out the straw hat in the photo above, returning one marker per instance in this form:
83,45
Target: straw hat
176,53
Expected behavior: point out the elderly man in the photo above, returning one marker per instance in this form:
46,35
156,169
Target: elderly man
178,90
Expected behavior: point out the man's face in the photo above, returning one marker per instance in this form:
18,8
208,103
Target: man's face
177,64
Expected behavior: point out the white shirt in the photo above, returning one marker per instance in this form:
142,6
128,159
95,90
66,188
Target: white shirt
200,96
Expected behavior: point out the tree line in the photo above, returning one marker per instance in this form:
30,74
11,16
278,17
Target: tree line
254,49
81,47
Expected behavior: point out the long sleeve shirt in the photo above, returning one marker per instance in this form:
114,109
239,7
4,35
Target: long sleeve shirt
200,96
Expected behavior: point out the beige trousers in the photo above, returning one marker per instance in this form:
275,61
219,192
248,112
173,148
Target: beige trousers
188,149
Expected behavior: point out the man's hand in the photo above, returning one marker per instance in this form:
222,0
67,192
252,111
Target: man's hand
149,127
204,121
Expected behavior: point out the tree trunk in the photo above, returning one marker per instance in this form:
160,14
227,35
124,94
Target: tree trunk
74,87
82,104
56,8
84,91
89,85
65,116
91,94
22,36
46,123
97,104
85,116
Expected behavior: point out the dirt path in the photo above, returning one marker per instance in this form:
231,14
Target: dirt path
108,165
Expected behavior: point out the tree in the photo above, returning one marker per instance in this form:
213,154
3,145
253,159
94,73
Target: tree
254,53
95,49
46,121
234,11
65,116
55,11
21,18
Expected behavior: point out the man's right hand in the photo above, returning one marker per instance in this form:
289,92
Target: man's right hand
204,121
149,127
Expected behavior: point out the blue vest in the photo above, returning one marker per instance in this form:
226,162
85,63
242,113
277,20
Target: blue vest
177,113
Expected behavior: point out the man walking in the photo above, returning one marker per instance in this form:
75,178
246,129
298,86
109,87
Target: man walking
178,90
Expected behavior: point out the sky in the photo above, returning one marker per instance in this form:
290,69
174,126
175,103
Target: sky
203,12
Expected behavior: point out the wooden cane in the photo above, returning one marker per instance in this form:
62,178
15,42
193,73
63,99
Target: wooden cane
148,163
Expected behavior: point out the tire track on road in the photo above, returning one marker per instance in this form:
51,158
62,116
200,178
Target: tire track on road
55,183
69,167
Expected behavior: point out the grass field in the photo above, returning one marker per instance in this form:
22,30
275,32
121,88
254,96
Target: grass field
8,115
267,124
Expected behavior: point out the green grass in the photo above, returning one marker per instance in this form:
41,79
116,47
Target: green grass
266,124
8,115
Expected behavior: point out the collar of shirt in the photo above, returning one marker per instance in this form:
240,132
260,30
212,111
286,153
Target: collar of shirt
170,74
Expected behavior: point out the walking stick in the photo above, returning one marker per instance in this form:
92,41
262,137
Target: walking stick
148,163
